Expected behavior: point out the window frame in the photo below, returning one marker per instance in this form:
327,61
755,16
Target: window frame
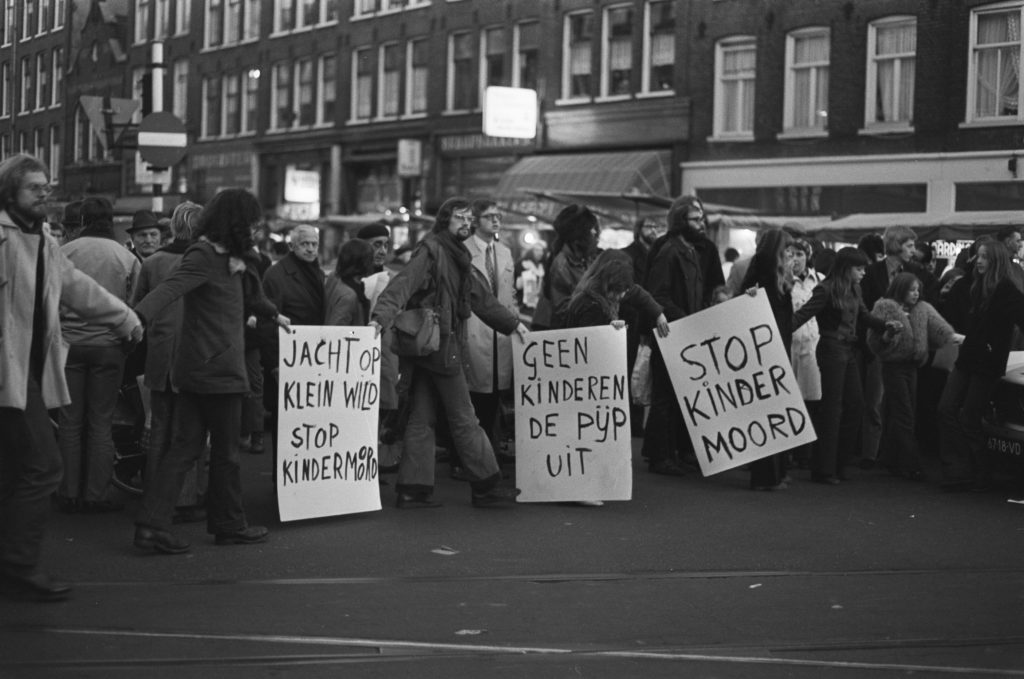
871,76
323,81
56,76
722,47
604,87
141,28
411,80
355,102
517,53
647,51
42,73
381,79
971,117
451,67
789,128
567,97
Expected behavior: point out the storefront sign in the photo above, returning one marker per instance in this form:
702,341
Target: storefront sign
510,112
410,157
328,407
301,186
735,384
572,416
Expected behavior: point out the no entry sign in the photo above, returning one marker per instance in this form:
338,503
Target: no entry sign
162,139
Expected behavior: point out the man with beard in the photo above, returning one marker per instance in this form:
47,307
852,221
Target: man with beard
39,281
440,276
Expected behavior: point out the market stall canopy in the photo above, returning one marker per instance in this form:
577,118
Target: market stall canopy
618,185
952,226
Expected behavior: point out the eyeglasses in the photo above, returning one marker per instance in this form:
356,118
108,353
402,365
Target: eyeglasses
466,217
38,189
496,216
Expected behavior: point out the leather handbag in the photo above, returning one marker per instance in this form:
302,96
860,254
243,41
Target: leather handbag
416,332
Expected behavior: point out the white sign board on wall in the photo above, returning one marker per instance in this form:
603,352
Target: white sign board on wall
328,391
572,416
510,112
735,384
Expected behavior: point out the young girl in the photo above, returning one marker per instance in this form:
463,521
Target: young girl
997,304
901,355
837,305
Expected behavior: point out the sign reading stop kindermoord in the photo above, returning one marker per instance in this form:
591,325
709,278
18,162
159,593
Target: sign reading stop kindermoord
162,139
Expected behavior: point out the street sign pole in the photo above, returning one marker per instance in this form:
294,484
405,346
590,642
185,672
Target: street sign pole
158,106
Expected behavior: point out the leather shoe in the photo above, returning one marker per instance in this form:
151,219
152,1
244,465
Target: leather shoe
495,496
244,536
34,587
163,541
416,501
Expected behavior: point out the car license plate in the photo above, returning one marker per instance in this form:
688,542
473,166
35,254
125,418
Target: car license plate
1004,446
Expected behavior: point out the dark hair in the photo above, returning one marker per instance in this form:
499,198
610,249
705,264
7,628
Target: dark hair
610,273
574,226
731,254
1007,231
12,174
228,220
355,259
1000,267
872,245
901,285
927,251
480,204
96,212
444,213
840,279
677,222
771,253
894,238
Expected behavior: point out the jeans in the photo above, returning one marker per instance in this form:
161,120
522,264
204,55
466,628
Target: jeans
874,423
899,445
194,416
840,413
30,470
93,376
961,408
416,470
252,404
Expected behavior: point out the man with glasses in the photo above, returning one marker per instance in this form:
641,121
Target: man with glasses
489,369
440,275
38,281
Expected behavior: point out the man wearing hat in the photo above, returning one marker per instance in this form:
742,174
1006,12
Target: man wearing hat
145,233
378,235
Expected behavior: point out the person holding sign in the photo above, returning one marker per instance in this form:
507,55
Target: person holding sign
439,276
838,306
209,371
771,268
901,356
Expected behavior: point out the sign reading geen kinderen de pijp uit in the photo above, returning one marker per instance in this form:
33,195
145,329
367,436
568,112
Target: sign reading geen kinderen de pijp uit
328,400
572,416
735,384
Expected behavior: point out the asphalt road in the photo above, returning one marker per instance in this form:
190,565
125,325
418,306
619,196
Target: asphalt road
694,577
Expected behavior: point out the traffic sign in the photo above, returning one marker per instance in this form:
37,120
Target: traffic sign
162,139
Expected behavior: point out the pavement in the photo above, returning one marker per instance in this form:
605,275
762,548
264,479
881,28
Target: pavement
693,577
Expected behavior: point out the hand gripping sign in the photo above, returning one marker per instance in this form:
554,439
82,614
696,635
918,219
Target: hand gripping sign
328,391
735,385
572,416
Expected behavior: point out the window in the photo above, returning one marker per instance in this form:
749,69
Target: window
211,107
28,18
362,81
250,110
8,18
806,93
161,19
462,85
55,161
492,69
179,89
44,23
290,15
26,86
141,21
5,89
232,21
304,96
735,74
59,8
232,104
38,143
366,7
214,22
576,57
182,16
416,91
229,22
281,113
527,54
42,78
892,46
328,90
284,15
251,20
391,66
993,87
83,136
617,56
659,47
57,81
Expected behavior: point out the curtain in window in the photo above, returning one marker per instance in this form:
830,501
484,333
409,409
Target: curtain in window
810,81
895,46
998,64
811,49
663,49
579,59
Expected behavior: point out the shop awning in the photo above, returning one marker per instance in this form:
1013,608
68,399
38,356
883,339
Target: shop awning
953,226
619,183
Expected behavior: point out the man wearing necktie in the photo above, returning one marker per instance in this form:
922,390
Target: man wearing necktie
489,368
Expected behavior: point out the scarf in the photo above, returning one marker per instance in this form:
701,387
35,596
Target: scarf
463,261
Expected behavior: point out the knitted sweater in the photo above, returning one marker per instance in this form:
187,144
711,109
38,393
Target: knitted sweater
923,329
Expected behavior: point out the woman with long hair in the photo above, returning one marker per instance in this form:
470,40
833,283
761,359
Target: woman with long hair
837,305
597,296
997,304
575,247
771,269
901,356
345,301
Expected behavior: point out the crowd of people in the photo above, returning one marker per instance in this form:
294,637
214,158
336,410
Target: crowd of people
192,308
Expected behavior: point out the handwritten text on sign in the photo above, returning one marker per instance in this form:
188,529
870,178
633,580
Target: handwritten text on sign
572,416
735,385
328,390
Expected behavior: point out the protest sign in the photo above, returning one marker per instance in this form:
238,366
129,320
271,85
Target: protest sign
572,416
328,391
735,385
